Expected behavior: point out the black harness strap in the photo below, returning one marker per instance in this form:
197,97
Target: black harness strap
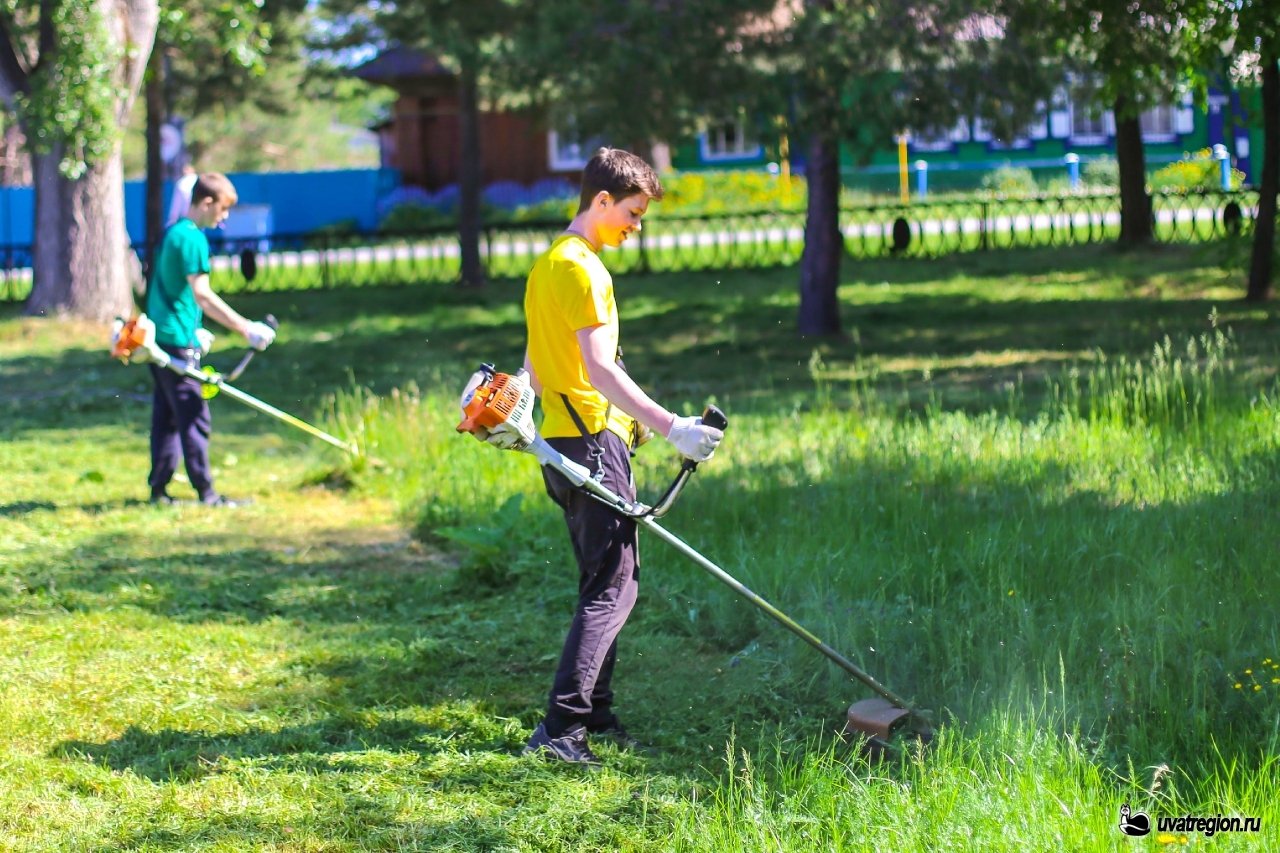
597,452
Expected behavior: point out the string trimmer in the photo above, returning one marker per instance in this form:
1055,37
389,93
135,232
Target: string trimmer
135,343
498,409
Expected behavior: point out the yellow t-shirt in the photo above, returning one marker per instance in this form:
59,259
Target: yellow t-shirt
569,289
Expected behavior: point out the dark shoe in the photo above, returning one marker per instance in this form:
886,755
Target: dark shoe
221,502
571,747
616,732
163,499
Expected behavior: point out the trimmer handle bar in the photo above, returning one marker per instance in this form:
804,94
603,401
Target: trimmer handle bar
271,321
712,417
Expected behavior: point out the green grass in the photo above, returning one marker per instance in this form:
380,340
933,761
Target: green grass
995,495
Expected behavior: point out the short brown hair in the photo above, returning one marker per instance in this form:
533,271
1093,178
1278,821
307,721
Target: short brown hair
216,186
620,174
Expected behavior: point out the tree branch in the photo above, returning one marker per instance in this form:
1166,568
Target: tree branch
13,77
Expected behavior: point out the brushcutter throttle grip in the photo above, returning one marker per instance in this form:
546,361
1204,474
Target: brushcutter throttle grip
712,417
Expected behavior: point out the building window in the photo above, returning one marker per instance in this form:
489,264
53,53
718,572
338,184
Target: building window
1158,125
728,141
1090,125
568,153
940,140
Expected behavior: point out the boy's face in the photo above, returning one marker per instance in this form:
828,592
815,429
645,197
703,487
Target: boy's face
210,213
616,218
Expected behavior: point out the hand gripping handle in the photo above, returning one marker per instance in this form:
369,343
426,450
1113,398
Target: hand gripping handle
712,417
271,321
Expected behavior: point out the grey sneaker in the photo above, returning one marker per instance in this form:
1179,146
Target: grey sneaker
571,747
220,502
616,732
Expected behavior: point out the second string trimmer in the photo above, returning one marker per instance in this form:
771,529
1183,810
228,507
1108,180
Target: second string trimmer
134,342
498,408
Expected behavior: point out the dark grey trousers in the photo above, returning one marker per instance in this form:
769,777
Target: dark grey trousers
607,552
180,428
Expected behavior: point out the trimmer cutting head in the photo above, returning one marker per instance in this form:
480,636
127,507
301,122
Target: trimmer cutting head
880,727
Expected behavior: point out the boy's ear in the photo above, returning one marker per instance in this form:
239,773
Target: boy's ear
602,200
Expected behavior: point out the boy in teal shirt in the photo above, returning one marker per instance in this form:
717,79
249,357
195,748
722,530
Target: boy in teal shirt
177,300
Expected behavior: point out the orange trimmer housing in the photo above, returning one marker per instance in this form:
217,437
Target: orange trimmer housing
491,403
132,336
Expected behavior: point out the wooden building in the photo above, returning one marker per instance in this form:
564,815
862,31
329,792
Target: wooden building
421,138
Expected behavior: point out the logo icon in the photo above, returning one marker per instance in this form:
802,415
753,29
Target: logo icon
1136,824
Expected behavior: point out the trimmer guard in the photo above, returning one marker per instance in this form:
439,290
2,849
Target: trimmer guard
876,722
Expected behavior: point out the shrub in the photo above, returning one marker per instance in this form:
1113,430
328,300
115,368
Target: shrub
1102,173
1198,171
1010,180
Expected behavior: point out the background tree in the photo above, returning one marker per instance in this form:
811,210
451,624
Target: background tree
1124,55
209,55
635,74
851,76
474,38
1248,32
71,71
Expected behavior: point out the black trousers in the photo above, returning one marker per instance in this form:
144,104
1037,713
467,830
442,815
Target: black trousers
180,428
607,551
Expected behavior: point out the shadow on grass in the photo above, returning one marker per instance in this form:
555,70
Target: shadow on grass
974,589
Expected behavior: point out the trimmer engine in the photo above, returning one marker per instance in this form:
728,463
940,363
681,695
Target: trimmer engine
498,408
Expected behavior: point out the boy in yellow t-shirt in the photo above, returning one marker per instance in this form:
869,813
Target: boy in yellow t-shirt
596,415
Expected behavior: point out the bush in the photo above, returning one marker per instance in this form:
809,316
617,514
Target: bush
1011,180
417,217
1101,174
1198,171
693,193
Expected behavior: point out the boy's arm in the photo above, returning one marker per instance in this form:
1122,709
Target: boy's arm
534,381
598,351
213,305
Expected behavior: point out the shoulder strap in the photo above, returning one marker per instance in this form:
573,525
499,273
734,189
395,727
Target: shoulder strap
597,452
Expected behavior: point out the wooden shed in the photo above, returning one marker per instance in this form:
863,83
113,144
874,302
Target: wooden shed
421,138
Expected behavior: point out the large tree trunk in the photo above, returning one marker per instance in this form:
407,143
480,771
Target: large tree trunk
469,176
1135,204
1264,227
79,262
823,242
155,165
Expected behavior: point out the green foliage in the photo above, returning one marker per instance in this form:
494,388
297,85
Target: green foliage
1010,180
70,105
417,217
1102,172
692,193
1198,171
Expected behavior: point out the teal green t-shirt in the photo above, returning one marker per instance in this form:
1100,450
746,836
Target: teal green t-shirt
184,251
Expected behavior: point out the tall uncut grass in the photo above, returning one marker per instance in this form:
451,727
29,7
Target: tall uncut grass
1079,588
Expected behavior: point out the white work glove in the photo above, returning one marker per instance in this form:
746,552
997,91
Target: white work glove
259,335
693,439
204,338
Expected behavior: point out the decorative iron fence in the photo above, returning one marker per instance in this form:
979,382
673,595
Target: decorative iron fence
757,239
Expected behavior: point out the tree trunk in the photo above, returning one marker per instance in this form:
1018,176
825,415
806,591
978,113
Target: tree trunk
1135,204
79,262
823,241
155,165
1264,226
469,176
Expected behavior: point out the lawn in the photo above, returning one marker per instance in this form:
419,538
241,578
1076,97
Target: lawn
1003,494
